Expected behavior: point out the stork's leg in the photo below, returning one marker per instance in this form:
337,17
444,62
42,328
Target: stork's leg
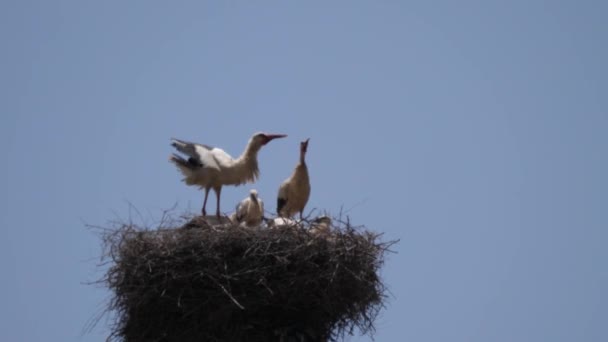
218,192
205,202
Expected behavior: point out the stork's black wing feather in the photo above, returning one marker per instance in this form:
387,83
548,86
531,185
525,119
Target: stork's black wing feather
281,202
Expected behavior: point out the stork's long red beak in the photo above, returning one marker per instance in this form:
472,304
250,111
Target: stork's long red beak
275,136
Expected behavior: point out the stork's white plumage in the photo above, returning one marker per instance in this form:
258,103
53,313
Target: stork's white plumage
295,190
282,222
250,211
211,168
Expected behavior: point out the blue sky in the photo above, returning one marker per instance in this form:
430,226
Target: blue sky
474,131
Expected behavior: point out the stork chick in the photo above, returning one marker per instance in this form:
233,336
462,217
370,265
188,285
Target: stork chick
211,168
295,190
282,222
321,226
250,211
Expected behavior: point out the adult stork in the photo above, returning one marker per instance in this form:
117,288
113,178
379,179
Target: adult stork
211,167
295,190
250,211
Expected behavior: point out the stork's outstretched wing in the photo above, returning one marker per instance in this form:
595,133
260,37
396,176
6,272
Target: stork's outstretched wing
205,155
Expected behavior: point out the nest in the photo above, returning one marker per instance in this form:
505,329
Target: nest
202,282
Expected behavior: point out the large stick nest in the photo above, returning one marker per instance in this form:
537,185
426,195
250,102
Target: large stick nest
200,282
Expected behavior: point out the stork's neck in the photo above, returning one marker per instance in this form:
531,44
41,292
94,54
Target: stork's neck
250,153
300,173
245,167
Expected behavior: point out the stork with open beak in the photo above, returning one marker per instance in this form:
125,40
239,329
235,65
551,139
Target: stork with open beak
250,211
295,190
211,167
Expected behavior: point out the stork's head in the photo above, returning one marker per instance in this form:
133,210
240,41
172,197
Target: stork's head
262,139
323,219
321,225
253,193
304,146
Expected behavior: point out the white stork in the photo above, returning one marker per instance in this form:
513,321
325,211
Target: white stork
211,168
250,211
295,190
